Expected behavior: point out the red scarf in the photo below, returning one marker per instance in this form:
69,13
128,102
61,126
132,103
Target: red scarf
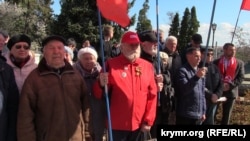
228,72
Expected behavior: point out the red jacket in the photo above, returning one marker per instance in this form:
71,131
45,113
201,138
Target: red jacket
133,95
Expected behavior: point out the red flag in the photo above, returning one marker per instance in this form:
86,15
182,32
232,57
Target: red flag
115,10
245,5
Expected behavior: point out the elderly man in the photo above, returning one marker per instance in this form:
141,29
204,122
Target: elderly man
149,52
174,63
53,98
132,88
174,60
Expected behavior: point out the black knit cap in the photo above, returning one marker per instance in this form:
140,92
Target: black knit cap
53,37
18,38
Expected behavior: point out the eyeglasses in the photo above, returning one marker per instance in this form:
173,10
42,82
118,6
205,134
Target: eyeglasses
210,54
22,46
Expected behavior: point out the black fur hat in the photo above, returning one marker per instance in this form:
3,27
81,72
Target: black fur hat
18,38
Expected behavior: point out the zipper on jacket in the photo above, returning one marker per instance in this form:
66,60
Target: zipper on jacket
64,99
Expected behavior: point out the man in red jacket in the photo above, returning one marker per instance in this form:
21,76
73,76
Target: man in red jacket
132,90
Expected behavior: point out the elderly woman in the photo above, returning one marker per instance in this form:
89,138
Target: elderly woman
89,68
20,58
69,55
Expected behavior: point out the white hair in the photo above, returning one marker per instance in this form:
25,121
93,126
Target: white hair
169,38
69,51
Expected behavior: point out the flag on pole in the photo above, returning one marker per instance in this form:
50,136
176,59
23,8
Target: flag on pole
245,5
115,10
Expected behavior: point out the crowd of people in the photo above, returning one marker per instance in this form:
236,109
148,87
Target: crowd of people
63,97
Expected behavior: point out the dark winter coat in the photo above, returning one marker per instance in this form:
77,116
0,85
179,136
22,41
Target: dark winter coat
109,51
9,97
96,115
52,105
176,63
167,93
214,84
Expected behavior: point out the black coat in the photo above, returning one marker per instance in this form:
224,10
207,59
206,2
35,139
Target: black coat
109,52
9,97
214,83
176,63
167,93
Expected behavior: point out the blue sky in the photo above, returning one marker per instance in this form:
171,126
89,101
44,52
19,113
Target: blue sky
226,13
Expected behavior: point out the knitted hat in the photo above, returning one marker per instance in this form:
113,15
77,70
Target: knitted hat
18,38
87,50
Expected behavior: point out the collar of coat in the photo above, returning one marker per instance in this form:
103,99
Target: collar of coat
147,56
44,68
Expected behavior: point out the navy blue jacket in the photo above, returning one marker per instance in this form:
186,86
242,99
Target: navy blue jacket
190,95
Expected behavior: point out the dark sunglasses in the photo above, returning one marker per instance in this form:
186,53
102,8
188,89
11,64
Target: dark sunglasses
210,54
21,46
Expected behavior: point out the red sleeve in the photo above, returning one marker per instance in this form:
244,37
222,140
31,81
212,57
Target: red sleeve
97,90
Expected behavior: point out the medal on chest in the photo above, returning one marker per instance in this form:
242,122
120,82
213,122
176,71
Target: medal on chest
124,74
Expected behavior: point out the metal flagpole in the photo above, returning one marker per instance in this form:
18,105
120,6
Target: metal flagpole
104,70
158,50
209,31
235,26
